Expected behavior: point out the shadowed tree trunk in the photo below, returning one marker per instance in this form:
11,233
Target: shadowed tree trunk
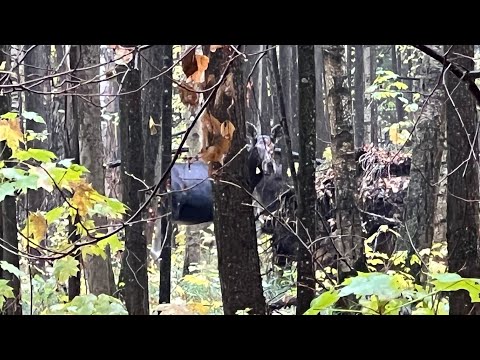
306,175
166,157
373,105
5,104
35,65
12,306
134,258
396,68
359,128
72,151
98,271
294,98
238,260
421,200
463,221
350,242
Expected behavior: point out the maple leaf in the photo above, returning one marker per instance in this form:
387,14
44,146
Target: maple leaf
82,193
35,228
202,65
11,132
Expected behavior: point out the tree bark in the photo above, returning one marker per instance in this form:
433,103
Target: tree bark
359,128
421,200
306,187
463,221
9,212
238,260
396,68
134,259
373,105
166,157
350,241
323,126
98,271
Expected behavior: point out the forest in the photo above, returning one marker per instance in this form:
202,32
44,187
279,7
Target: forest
239,180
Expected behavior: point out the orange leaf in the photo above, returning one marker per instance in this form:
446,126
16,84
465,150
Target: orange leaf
227,129
35,228
82,196
189,64
202,64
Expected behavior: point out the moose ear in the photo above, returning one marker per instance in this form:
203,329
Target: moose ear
251,131
276,133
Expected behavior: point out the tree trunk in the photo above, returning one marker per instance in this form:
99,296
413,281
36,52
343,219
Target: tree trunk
421,200
396,67
350,240
72,151
238,260
134,259
294,99
166,158
373,105
463,185
306,187
323,126
9,212
359,127
98,271
36,63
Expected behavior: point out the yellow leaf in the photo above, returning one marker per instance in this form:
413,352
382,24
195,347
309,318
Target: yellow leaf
11,132
196,280
327,153
201,308
82,197
36,228
424,252
375,262
152,126
415,259
4,63
394,134
93,250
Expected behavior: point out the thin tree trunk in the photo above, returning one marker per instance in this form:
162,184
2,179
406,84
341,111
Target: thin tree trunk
294,99
306,187
134,259
323,126
396,66
350,240
12,306
166,158
463,221
373,105
72,151
359,127
367,115
238,260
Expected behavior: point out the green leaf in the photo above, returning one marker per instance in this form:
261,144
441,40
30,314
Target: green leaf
64,268
322,302
41,155
11,268
27,182
454,282
54,214
9,116
7,189
113,241
416,96
423,311
12,173
6,292
382,285
30,115
116,206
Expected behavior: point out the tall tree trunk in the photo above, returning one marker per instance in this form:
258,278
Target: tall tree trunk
36,63
421,200
72,151
134,259
98,271
323,126
238,260
373,105
396,67
152,104
9,212
294,99
5,104
306,187
463,221
166,158
350,240
359,127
